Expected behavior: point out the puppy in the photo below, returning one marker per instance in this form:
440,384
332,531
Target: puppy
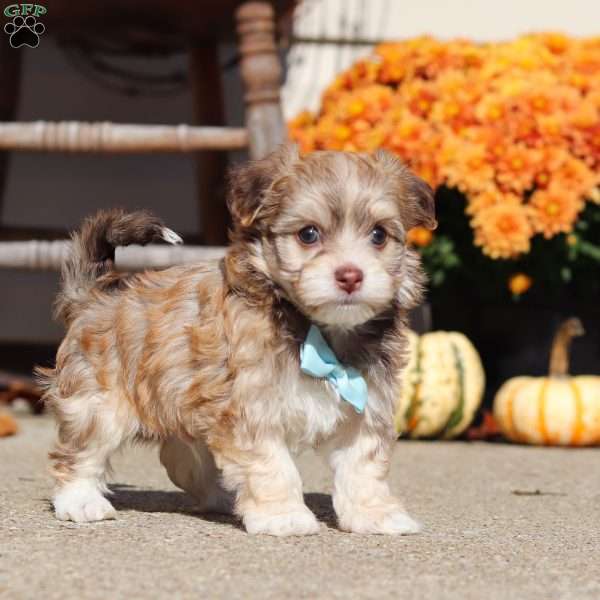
225,359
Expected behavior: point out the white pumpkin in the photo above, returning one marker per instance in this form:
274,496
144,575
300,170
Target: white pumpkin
442,386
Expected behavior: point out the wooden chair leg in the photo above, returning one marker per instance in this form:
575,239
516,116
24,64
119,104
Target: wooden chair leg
206,85
261,75
10,77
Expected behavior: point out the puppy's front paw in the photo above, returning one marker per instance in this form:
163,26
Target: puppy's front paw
294,521
379,520
82,505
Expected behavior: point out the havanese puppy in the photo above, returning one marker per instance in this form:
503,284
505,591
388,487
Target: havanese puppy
295,338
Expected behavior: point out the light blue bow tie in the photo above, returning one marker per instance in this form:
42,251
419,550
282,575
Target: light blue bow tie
318,360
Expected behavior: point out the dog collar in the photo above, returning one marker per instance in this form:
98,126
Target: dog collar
318,360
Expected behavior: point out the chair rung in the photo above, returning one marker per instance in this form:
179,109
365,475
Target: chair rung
50,255
78,136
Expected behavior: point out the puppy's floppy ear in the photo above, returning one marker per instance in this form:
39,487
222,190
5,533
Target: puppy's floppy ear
424,201
250,182
415,194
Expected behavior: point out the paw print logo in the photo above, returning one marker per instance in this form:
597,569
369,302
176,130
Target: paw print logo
24,31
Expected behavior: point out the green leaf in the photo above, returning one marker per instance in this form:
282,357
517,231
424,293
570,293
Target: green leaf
590,250
437,278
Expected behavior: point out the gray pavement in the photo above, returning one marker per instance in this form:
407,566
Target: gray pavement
481,540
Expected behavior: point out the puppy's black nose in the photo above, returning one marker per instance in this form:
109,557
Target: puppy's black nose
348,278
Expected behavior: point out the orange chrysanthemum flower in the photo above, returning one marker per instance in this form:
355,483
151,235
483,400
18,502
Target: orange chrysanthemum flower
491,196
554,211
419,236
466,167
519,283
503,230
516,169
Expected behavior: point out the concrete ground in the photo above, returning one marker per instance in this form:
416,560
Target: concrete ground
489,534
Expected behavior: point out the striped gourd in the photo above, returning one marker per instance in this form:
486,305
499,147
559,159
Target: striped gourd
442,386
558,410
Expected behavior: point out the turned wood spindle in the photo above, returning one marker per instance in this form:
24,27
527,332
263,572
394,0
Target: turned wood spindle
261,75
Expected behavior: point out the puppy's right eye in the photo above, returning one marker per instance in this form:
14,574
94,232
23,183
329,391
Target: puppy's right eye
309,235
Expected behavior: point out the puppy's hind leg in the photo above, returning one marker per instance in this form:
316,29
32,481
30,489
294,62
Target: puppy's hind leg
88,434
192,468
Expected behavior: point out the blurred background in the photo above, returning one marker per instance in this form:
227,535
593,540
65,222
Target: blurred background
151,63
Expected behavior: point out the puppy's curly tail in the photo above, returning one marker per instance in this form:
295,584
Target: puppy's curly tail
92,251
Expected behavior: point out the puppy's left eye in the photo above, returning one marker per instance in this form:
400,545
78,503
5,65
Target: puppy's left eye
378,236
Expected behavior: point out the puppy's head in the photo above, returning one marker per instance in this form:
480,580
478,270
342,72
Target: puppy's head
329,228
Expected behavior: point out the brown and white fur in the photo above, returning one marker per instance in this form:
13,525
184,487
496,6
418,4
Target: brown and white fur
205,358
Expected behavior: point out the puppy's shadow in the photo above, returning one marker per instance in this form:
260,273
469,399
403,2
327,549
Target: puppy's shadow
322,506
128,497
